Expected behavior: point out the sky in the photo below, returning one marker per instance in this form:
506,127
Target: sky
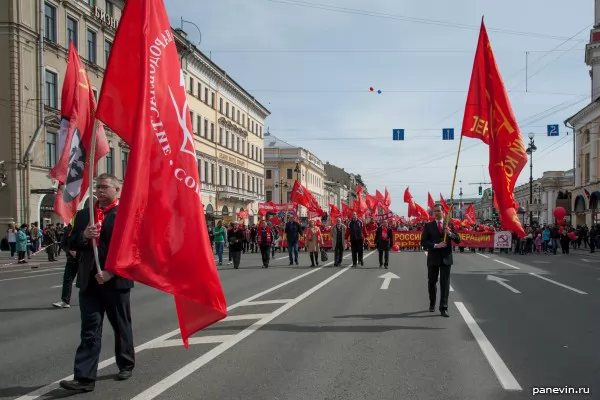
312,63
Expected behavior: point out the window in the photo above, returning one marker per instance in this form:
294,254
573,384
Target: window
110,164
252,126
107,48
191,85
226,176
199,90
199,163
290,173
237,145
227,139
253,187
72,32
212,100
50,149
221,106
269,195
51,89
289,197
92,3
205,128
227,109
92,54
269,174
237,181
238,117
260,155
110,8
205,171
212,173
586,168
252,153
243,119
221,136
232,112
206,95
124,159
95,92
50,22
199,123
243,146
220,175
212,131
192,119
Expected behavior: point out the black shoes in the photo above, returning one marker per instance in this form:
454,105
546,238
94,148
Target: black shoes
432,308
445,314
78,386
124,375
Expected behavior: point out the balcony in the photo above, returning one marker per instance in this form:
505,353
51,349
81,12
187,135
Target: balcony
229,192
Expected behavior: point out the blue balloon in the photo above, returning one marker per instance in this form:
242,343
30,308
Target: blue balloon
379,91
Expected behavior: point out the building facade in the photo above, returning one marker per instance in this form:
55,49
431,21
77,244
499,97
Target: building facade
228,125
346,180
286,163
34,39
586,129
228,122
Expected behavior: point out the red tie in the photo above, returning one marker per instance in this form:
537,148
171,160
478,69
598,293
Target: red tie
440,226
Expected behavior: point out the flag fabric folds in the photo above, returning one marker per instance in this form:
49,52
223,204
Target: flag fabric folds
160,237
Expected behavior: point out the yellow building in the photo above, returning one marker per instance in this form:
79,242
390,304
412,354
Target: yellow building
31,74
34,37
228,125
284,164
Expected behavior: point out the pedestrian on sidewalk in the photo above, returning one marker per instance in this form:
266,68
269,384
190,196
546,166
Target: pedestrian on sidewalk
236,238
11,236
70,272
21,244
439,258
100,293
220,237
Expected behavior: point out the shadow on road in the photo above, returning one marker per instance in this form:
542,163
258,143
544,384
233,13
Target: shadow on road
414,314
9,310
17,391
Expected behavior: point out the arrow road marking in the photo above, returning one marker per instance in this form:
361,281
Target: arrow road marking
557,283
502,282
387,278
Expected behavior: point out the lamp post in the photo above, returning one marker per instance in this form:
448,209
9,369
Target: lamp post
530,151
281,184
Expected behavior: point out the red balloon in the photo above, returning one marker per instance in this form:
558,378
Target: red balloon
371,88
395,247
559,213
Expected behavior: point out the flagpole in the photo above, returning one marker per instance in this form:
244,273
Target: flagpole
91,192
453,182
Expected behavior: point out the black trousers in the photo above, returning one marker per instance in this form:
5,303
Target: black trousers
94,302
384,257
357,250
338,253
432,276
68,277
265,251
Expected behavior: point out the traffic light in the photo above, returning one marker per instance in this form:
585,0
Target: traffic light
480,191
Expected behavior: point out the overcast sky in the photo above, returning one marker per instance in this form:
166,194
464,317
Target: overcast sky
311,63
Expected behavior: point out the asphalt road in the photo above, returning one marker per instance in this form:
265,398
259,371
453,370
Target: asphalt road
330,333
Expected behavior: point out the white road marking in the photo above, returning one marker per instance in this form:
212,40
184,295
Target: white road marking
193,340
28,277
541,262
451,288
43,270
508,265
261,302
506,378
387,278
190,368
281,258
502,282
60,286
557,283
482,255
108,362
245,317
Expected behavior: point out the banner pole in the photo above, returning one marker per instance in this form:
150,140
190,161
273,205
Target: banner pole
91,192
453,182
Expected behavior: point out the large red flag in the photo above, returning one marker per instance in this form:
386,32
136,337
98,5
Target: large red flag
445,205
489,117
77,108
430,202
303,196
407,196
160,232
470,215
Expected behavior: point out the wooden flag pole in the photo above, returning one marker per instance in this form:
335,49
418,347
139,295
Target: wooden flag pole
453,182
92,165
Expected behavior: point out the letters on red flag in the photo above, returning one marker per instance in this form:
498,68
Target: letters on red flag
160,237
75,138
489,117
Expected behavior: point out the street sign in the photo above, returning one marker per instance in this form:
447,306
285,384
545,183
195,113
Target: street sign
398,134
552,130
448,133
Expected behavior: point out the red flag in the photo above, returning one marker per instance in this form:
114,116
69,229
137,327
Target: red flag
371,202
407,197
430,202
303,196
444,204
387,199
334,213
75,138
489,117
421,212
380,199
160,232
470,215
346,210
360,206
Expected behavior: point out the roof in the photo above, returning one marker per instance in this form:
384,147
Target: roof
273,142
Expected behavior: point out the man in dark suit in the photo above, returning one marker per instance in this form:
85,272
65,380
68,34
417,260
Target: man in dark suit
439,257
100,293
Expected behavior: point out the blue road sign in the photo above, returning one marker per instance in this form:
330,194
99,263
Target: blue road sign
552,130
398,134
448,134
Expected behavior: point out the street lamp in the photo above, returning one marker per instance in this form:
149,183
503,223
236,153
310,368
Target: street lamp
530,151
281,184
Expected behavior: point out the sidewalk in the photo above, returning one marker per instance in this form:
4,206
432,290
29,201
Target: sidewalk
37,259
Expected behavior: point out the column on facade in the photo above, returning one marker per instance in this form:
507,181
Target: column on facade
593,153
578,169
551,205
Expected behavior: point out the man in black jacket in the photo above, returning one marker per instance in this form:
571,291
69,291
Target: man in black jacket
100,293
383,241
439,257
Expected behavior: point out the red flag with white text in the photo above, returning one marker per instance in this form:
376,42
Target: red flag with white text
160,236
77,108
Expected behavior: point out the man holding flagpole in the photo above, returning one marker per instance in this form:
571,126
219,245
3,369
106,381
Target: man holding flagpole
100,293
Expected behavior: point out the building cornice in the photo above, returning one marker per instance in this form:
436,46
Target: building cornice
580,117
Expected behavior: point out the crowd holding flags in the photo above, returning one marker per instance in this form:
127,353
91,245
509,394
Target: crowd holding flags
160,227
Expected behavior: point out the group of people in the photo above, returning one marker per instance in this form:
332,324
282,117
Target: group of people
26,239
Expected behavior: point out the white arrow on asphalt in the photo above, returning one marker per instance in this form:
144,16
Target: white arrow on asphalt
387,278
502,282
